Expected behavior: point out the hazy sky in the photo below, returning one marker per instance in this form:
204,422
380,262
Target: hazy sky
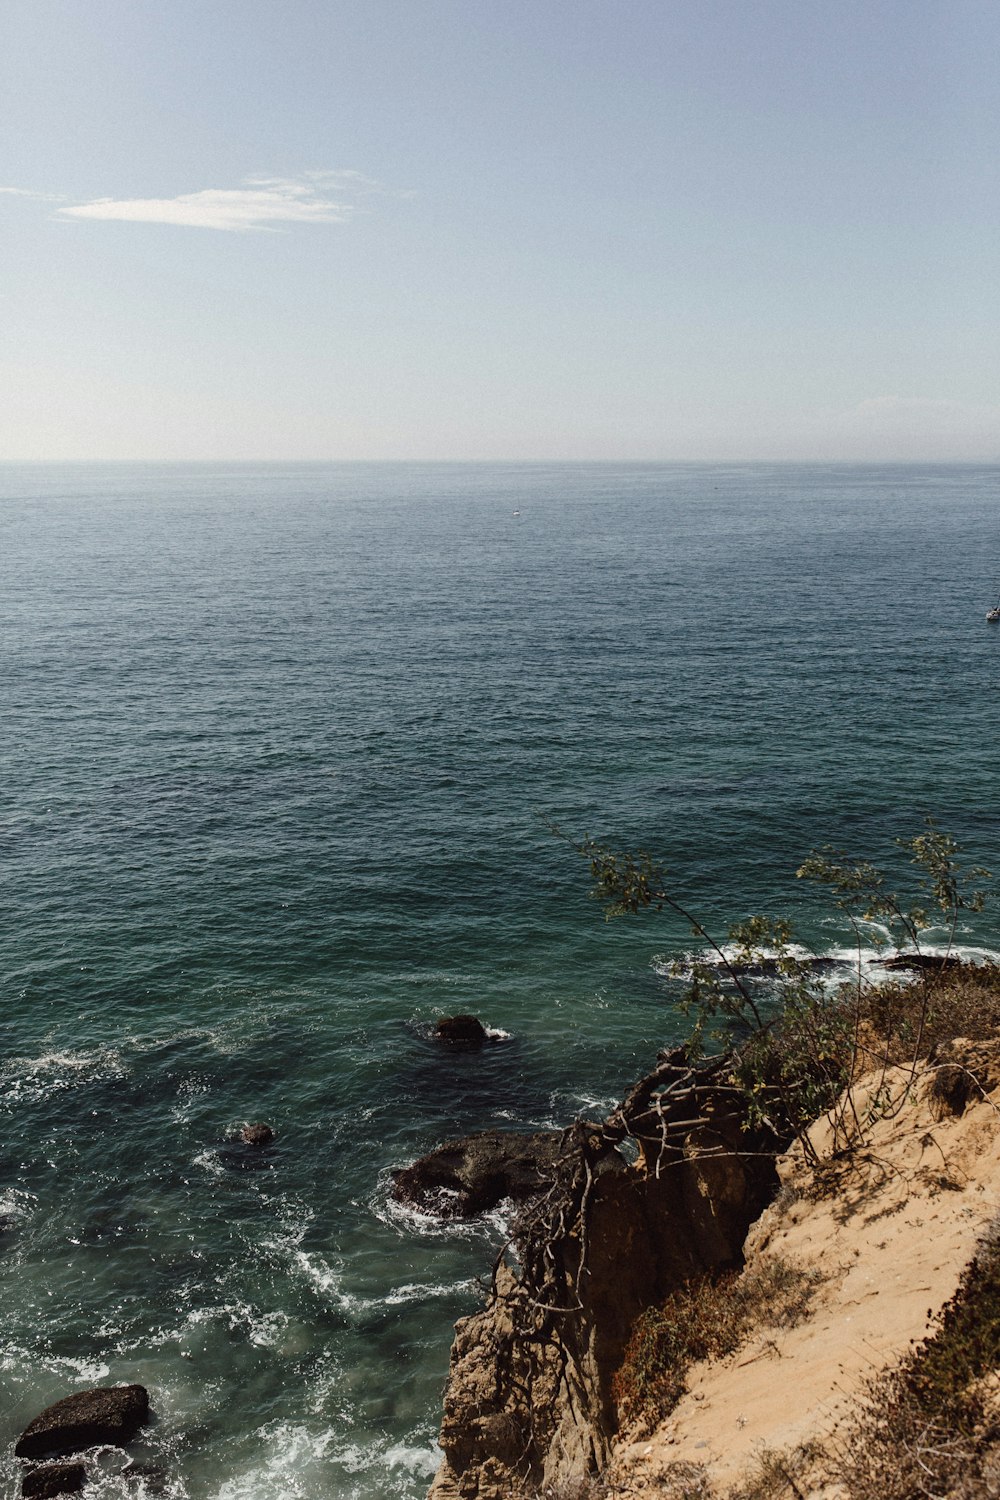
581,229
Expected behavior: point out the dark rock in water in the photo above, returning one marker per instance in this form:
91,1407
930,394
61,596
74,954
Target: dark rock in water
466,1031
152,1476
106,1414
49,1480
470,1176
929,963
770,968
257,1135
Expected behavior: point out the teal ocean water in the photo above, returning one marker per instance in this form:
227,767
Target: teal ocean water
275,743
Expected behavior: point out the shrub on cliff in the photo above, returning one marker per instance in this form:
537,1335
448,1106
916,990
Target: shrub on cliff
795,1044
707,1318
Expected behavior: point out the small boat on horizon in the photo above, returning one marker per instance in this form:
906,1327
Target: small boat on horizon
993,615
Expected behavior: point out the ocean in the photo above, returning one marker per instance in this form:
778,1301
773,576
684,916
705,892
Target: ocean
280,746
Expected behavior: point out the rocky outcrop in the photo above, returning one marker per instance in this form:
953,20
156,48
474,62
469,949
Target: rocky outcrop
257,1134
922,963
46,1481
461,1031
528,1401
106,1414
473,1175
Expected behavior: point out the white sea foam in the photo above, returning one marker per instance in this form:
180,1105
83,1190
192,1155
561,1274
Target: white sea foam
190,1091
106,1481
299,1461
327,1282
838,962
405,1219
27,1080
272,1329
571,1104
17,1203
423,1291
89,1370
85,1371
210,1162
418,1460
323,1278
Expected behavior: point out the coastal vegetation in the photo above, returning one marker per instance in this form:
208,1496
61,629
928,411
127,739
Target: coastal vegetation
620,1279
796,1041
795,1056
708,1317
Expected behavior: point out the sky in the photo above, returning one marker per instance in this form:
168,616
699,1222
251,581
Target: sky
500,229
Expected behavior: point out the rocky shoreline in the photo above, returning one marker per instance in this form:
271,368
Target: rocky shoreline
598,1239
531,1406
687,1191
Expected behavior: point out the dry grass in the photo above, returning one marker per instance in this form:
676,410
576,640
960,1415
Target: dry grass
708,1318
929,1427
963,1001
775,1474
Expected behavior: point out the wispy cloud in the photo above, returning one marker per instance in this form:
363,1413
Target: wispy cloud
260,203
30,193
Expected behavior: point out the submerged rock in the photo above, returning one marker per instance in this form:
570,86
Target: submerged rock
470,1176
257,1134
106,1414
465,1031
49,1480
151,1476
771,968
928,963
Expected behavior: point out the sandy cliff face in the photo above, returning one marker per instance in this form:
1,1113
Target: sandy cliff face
889,1233
884,1236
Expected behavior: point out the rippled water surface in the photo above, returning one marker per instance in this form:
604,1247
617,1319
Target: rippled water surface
275,746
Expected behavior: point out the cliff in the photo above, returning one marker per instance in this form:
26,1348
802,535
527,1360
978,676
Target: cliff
886,1240
821,1265
529,1400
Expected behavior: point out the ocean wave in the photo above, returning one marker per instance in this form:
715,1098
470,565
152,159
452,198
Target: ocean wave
28,1080
210,1162
423,1291
322,1278
416,1460
87,1371
834,964
190,1093
326,1280
264,1329
301,1461
109,1479
16,1206
15,1358
574,1104
492,1227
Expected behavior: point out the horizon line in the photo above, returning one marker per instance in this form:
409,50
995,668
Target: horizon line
578,462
